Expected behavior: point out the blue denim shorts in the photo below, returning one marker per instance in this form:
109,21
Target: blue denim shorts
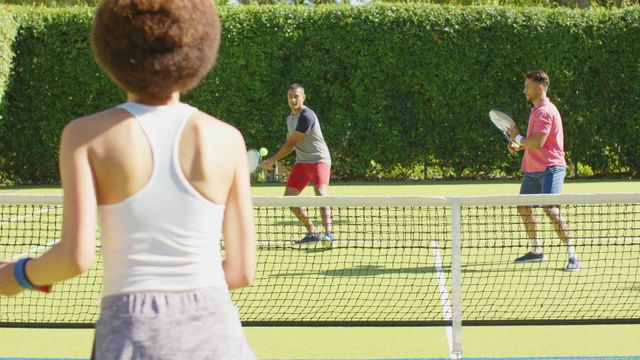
548,181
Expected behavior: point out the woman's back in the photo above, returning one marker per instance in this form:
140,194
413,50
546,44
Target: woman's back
122,162
166,234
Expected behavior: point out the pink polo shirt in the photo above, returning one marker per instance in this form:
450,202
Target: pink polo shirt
546,119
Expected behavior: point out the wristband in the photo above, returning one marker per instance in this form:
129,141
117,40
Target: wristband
518,139
21,275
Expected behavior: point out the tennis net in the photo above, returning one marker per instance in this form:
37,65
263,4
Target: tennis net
406,260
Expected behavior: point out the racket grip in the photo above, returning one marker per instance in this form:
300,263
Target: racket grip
43,288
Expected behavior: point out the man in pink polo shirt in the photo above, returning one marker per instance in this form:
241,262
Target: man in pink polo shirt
543,165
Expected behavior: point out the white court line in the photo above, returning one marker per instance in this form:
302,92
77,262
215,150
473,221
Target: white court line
20,218
37,248
33,250
444,292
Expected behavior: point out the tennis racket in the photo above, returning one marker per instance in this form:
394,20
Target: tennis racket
254,158
502,121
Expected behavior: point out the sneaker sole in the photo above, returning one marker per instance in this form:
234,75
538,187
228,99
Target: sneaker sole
528,261
305,242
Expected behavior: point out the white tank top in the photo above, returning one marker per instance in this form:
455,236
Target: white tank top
165,237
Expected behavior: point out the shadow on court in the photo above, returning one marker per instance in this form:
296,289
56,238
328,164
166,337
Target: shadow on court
370,270
375,270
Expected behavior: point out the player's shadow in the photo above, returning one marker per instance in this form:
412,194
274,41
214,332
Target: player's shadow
372,270
510,266
375,270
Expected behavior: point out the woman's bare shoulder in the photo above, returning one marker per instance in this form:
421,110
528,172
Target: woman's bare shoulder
91,125
217,129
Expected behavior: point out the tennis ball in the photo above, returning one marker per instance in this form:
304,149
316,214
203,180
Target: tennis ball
263,151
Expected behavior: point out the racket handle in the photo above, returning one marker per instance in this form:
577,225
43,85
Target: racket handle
43,288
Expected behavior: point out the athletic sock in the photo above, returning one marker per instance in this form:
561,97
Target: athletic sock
536,247
571,250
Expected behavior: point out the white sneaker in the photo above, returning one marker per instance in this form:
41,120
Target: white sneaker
573,265
327,240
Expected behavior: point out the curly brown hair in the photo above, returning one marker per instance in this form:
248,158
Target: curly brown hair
156,47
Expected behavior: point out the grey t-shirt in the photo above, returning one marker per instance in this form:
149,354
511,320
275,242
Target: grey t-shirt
312,148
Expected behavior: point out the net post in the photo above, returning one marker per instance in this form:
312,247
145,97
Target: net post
456,278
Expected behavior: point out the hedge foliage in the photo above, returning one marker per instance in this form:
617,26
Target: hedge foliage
399,89
8,30
540,3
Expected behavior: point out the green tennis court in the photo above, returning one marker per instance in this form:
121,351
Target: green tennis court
391,283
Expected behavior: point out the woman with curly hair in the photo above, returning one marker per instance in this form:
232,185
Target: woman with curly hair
166,180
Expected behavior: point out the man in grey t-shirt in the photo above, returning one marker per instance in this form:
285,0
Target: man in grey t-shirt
313,163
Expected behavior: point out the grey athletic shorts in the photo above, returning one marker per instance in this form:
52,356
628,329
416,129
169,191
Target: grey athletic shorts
200,324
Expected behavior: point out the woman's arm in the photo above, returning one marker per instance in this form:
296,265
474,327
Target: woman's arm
238,227
75,253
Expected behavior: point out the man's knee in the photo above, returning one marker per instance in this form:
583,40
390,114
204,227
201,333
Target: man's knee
551,211
524,210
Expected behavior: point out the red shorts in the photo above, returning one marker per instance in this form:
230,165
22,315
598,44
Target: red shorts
318,173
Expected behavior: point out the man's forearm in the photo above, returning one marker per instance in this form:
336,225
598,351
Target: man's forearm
533,142
284,150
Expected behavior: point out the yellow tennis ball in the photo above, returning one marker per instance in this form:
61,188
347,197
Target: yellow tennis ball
263,151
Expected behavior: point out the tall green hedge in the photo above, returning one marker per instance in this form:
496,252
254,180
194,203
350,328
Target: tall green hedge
54,79
8,29
395,86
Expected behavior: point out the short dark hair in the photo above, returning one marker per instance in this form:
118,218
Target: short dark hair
156,47
539,76
295,86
